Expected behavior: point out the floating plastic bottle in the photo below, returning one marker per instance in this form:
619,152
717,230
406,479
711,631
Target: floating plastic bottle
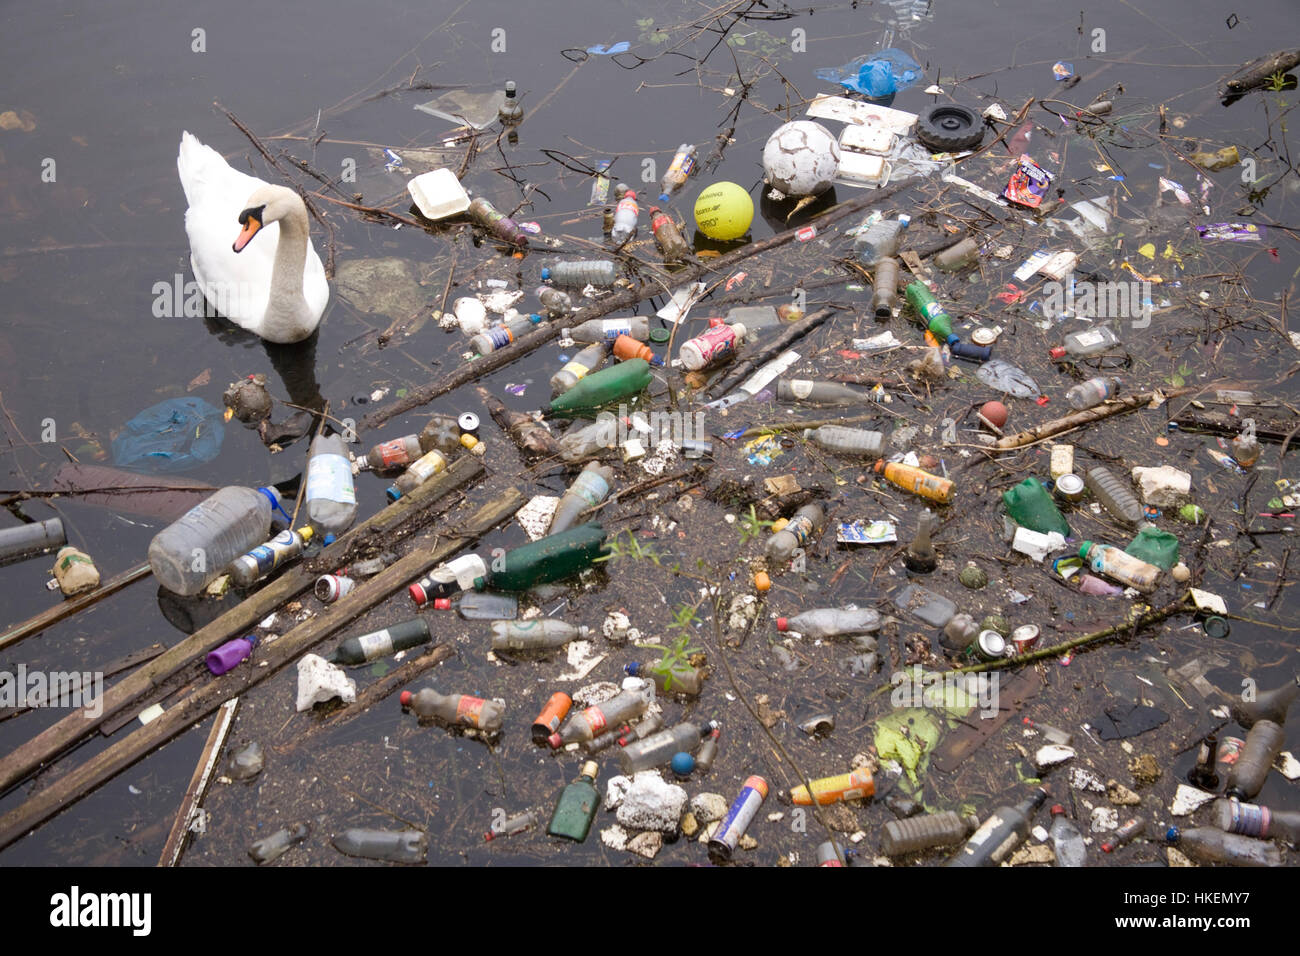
1248,819
1267,705
960,631
510,112
499,336
278,843
74,571
854,785
625,217
512,825
711,346
581,273
555,303
481,606
917,481
609,385
230,654
553,558
395,453
681,678
31,539
920,556
382,643
1264,742
1114,494
1124,568
1207,845
708,751
679,170
1092,392
625,347
497,223
195,549
420,471
832,622
925,832
929,311
811,392
593,721
587,440
265,558
1124,833
1067,841
331,496
669,239
959,256
395,846
443,433
589,359
842,440
884,289
1086,343
589,489
448,579
658,749
880,240
539,634
1004,830
484,715
807,520
1245,448
1203,773
577,806
1031,506
607,330
553,713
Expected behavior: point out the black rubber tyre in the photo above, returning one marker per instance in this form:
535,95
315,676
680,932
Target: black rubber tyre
945,128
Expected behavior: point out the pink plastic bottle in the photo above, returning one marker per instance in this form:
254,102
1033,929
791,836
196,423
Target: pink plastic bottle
711,346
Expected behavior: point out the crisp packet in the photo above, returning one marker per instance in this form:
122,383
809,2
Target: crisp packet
866,532
1231,231
1028,184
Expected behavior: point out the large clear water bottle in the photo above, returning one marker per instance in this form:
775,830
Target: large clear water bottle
194,550
331,495
881,240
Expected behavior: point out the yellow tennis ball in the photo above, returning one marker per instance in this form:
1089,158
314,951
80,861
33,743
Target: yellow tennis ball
724,211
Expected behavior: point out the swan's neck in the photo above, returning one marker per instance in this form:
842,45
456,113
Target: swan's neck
286,309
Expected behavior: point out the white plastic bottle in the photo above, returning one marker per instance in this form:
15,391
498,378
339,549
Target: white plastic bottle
331,496
1092,392
832,622
843,440
194,550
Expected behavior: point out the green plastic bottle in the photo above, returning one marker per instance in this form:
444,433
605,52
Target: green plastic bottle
600,388
927,307
553,558
576,807
1030,506
1155,547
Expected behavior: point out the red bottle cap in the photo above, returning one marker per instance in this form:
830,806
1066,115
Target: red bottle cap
406,698
442,604
417,594
782,623
554,740
1057,809
1057,353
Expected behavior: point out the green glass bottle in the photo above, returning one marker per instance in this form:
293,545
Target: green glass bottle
390,640
929,310
600,388
576,807
1030,506
553,558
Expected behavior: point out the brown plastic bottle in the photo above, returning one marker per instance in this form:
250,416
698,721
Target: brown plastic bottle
925,832
1263,744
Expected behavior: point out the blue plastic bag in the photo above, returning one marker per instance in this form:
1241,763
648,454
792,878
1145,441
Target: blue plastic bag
171,436
876,75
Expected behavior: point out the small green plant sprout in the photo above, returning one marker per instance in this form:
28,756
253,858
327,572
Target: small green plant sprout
1277,82
621,547
752,526
676,652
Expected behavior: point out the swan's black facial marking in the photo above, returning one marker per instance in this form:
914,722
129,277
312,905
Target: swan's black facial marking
254,211
251,220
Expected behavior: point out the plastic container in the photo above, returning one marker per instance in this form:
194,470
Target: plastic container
330,587
960,631
1248,819
555,303
1067,841
1029,505
510,112
445,434
668,238
708,751
681,678
592,439
920,556
1154,547
1207,845
1114,494
1264,742
625,216
917,481
249,568
382,643
711,347
679,170
931,314
1087,343
832,622
806,521
842,440
420,471
496,223
607,330
576,807
539,634
331,497
959,256
230,654
1092,392
506,333
75,571
29,540
880,240
194,550
553,713
580,273
934,609
609,385
925,832
589,723
482,606
589,489
658,749
447,579
1124,568
1268,705
884,288
854,785
1004,830
395,846
278,843
484,715
965,350
392,454
576,369
438,194
553,558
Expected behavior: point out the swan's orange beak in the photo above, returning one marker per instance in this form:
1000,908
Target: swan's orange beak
251,223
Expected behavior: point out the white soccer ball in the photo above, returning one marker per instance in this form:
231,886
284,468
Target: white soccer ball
801,159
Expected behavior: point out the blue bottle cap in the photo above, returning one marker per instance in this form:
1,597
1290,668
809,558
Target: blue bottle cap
631,670
664,197
329,539
535,317
1172,835
546,274
952,337
393,493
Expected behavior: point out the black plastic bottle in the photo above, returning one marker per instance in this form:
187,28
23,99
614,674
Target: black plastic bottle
1004,830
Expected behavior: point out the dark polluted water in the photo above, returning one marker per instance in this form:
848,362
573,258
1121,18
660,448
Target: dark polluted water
103,319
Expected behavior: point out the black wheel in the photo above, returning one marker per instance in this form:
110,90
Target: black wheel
949,129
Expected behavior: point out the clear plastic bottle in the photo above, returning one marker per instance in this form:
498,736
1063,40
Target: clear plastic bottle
278,843
1092,392
485,715
400,846
607,330
1245,448
625,217
589,359
658,749
959,256
581,273
1004,830
1122,567
443,433
807,520
1208,845
960,632
884,288
1124,833
589,723
265,558
1087,343
499,336
420,471
555,303
1067,841
395,453
832,622
708,751
589,489
601,435
813,392
194,550
711,346
1264,742
510,112
1248,819
1114,494
1268,705
540,634
331,496
681,678
669,239
881,240
920,556
842,440
925,832
679,170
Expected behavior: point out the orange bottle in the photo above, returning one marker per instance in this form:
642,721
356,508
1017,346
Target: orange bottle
916,481
626,347
846,786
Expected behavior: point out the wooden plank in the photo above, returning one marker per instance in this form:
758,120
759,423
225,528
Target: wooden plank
171,853
54,740
83,779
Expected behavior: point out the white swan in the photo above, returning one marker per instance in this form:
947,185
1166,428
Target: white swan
278,288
